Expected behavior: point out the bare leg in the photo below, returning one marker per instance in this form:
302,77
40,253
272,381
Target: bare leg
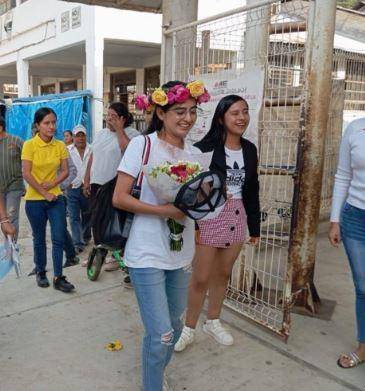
199,282
222,269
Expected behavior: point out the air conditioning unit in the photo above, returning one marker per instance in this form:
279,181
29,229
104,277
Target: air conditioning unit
8,22
8,26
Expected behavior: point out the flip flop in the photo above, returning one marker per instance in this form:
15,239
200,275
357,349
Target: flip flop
354,360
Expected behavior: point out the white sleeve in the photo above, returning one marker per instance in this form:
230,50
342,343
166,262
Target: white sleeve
131,132
131,163
343,176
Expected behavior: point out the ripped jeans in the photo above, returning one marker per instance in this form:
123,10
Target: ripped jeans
162,298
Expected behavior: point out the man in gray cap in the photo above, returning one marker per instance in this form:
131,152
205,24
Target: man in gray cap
77,203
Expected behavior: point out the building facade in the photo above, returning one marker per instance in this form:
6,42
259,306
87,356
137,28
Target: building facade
56,46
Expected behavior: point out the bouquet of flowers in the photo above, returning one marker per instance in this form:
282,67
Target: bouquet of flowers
168,178
168,173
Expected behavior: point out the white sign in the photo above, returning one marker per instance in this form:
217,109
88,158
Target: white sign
65,21
248,84
76,17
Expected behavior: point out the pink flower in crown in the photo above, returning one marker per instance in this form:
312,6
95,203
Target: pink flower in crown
204,98
175,88
171,97
182,94
142,102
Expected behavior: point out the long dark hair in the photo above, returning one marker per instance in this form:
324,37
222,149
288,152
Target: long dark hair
156,124
122,111
2,123
217,134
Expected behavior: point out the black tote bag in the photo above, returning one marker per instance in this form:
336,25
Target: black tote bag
111,226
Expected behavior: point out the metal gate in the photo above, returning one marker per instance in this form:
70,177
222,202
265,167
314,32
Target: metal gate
271,35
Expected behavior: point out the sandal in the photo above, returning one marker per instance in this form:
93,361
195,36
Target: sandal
354,360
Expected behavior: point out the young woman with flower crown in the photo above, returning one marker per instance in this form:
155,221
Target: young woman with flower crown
159,275
221,237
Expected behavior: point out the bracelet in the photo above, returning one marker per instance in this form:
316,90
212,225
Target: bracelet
4,221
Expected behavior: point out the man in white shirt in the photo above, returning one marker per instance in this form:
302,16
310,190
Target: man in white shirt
77,204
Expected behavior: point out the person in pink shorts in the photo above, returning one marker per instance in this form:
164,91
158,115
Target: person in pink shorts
220,237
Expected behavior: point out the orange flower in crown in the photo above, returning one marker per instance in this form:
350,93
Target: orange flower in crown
176,94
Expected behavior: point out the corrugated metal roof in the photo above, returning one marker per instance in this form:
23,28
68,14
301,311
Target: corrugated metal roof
132,5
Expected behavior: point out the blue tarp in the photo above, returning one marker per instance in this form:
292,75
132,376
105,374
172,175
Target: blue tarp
72,108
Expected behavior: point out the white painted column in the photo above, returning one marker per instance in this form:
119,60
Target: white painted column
34,86
176,13
256,38
106,93
84,77
57,86
31,81
95,78
22,70
140,76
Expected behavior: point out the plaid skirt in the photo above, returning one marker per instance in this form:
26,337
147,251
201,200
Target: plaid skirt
228,228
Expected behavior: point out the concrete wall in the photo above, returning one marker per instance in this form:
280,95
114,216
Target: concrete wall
128,25
36,28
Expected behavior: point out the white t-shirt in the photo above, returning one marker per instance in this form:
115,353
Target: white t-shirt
107,155
350,177
235,166
148,244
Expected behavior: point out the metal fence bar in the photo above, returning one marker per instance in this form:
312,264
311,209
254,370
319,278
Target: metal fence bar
222,15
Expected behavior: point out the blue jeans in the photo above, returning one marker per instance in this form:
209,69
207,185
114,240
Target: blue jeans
353,236
38,213
68,246
80,216
162,298
12,204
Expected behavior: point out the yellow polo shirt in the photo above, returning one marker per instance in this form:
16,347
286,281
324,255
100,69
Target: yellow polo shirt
46,160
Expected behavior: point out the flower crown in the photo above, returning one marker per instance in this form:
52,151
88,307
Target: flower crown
176,94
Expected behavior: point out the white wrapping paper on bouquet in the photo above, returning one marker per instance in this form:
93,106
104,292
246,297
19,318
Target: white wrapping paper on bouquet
164,187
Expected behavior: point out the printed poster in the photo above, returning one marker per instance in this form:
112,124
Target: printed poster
248,84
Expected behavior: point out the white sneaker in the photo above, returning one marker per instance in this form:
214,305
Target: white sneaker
186,338
215,329
166,386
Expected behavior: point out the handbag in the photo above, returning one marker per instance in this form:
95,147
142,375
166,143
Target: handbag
112,225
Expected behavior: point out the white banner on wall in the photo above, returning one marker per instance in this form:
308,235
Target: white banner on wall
248,84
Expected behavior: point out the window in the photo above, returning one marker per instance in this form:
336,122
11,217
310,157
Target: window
124,88
48,89
70,85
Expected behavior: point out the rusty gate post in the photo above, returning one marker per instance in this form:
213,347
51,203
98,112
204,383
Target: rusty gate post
314,116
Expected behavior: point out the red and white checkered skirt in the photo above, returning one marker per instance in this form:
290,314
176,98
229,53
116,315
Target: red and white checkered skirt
228,228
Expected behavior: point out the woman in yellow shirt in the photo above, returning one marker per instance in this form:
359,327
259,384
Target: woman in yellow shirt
42,157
